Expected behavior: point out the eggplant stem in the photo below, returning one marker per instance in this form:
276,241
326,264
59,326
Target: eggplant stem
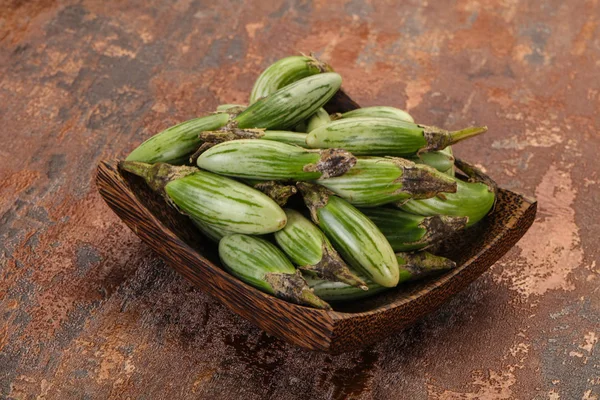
457,136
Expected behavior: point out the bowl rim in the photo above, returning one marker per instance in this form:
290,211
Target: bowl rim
322,330
334,315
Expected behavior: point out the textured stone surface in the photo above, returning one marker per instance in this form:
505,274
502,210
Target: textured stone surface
87,311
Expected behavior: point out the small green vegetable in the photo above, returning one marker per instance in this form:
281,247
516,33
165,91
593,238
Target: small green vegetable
407,232
371,136
262,265
215,200
291,104
473,200
270,160
175,144
374,181
284,72
412,266
357,239
319,118
310,249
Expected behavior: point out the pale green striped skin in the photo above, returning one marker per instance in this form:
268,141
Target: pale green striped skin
260,159
369,136
262,265
436,159
225,203
370,183
359,241
374,181
284,72
287,137
250,258
411,266
310,249
292,104
472,200
407,232
400,228
300,239
319,118
379,112
441,160
354,236
175,144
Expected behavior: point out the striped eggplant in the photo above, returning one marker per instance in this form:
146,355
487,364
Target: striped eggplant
311,251
321,117
278,191
412,266
212,199
262,265
374,181
421,264
293,138
270,160
175,144
407,232
231,133
233,110
442,160
472,199
379,112
383,136
339,291
284,72
291,104
358,240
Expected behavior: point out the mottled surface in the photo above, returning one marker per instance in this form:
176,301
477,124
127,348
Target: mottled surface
87,311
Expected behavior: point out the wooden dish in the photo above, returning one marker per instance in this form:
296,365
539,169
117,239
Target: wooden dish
351,325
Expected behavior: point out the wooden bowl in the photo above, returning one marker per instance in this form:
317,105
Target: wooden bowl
350,325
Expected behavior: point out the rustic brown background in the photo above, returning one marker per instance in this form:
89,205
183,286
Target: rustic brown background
88,312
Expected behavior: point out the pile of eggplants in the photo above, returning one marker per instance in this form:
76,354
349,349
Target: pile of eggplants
378,188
